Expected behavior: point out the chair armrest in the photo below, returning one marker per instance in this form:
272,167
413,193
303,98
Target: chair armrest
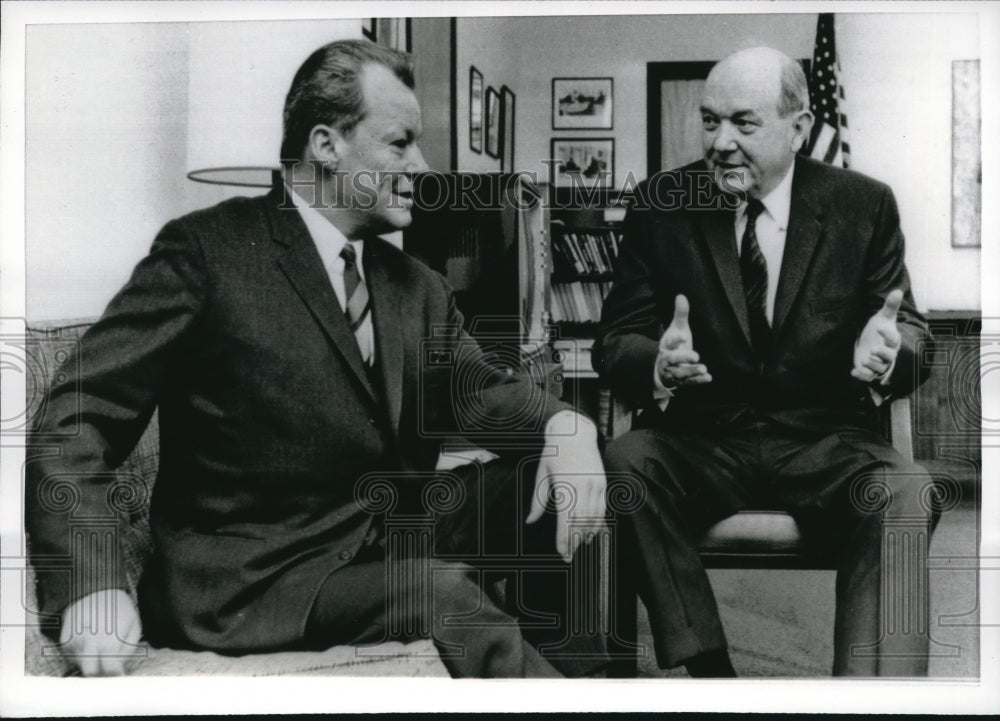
901,427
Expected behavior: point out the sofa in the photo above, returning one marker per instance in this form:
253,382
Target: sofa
48,347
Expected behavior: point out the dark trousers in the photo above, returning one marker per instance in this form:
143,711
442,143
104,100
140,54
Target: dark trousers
851,493
439,562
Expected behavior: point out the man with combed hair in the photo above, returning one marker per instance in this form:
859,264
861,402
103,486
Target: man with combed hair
757,324
280,340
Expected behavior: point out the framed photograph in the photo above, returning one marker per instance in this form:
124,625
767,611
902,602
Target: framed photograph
475,109
582,103
369,28
966,157
492,122
395,33
583,162
507,129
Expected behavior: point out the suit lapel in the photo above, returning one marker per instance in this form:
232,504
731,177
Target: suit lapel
801,241
388,327
721,241
302,265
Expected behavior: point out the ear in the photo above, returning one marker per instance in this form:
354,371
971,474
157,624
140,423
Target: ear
326,144
801,128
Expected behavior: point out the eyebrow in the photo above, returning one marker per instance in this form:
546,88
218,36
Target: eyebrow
400,129
739,114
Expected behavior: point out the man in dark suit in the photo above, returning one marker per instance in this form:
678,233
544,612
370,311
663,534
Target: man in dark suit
761,310
283,343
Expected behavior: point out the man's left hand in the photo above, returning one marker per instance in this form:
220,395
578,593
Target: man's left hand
572,474
877,346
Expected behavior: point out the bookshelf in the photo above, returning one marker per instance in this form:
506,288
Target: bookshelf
585,232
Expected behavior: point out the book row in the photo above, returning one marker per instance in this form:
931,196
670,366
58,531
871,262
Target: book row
578,301
585,253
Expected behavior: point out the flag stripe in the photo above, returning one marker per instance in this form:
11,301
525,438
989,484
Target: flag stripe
827,99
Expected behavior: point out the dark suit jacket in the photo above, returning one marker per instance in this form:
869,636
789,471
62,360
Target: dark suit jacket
843,255
268,419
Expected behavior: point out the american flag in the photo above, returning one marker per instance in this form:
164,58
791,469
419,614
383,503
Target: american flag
829,135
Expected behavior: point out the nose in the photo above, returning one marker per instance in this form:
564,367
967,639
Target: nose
724,140
415,162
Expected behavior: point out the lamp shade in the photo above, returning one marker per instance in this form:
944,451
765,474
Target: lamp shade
239,74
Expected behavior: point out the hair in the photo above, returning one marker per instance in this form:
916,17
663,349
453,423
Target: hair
327,89
794,88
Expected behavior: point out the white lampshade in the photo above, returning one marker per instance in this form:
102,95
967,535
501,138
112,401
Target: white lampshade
239,76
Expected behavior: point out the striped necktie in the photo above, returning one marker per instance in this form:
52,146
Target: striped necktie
356,292
753,269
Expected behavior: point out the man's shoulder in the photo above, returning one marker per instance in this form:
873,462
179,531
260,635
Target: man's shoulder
690,187
238,209
827,179
674,178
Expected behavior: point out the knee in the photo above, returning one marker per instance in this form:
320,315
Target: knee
633,474
628,453
896,490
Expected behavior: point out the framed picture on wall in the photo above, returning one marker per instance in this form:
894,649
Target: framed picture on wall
582,103
507,129
395,33
492,122
966,157
475,109
583,162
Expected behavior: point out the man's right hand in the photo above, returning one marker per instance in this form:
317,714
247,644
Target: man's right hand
677,362
101,650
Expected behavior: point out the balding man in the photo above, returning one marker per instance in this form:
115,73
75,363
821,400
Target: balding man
761,310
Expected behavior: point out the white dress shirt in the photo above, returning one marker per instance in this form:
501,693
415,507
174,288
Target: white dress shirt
329,242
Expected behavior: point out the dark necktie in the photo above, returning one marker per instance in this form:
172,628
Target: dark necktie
356,292
753,268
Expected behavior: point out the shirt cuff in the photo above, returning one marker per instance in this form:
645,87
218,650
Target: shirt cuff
661,394
876,386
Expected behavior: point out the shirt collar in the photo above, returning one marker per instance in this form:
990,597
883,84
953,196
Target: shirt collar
778,203
322,231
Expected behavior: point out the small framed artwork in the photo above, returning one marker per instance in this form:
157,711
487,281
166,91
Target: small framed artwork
475,109
492,122
369,28
395,33
582,103
507,129
583,162
966,156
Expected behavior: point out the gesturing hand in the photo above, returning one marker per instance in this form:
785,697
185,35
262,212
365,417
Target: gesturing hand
101,651
677,361
877,346
573,475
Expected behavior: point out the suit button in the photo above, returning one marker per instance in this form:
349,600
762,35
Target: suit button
346,555
373,421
